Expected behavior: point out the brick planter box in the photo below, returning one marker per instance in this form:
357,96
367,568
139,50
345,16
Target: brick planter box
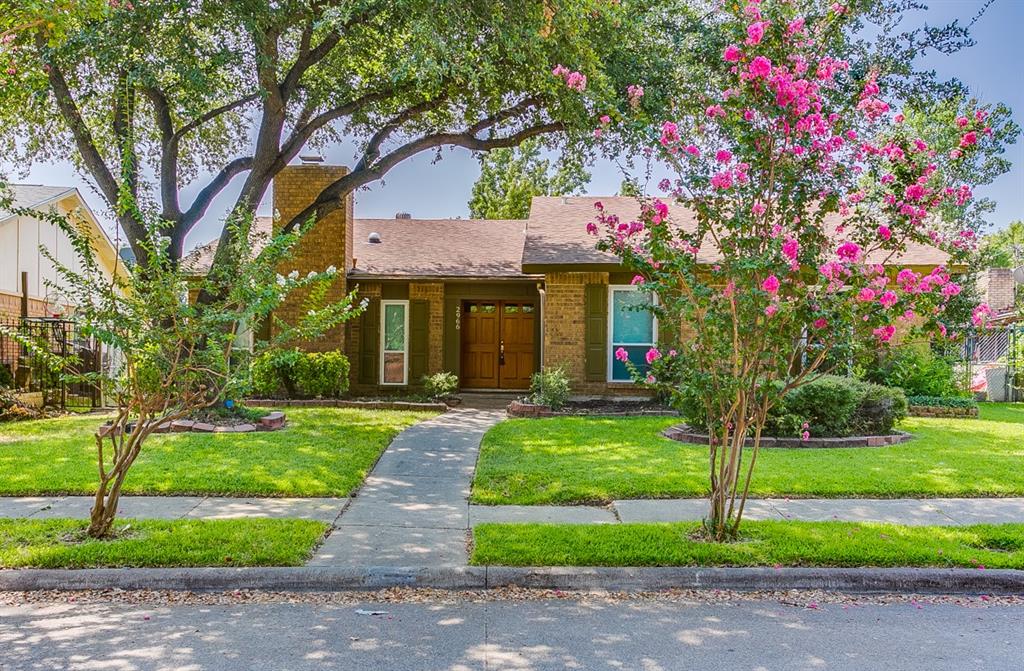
524,409
941,411
339,403
685,434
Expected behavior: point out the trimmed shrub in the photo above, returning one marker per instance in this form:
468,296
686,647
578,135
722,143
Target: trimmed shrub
321,374
550,387
296,374
942,401
441,385
832,406
879,410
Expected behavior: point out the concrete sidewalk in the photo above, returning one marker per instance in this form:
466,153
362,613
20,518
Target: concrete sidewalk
431,497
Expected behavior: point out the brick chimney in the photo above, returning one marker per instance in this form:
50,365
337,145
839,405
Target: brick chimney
328,243
996,286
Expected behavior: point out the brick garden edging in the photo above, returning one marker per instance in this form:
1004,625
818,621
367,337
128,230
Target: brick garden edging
685,434
533,410
339,403
941,411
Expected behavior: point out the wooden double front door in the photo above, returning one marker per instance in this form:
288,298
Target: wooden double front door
497,344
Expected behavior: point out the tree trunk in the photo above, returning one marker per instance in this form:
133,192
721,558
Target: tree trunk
108,491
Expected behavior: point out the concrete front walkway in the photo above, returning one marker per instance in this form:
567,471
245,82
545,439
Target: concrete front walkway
413,508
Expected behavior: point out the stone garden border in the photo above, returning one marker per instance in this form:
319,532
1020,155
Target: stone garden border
341,403
942,411
533,410
270,422
686,434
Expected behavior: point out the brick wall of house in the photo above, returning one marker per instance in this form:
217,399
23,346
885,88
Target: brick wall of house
997,287
353,338
433,292
328,243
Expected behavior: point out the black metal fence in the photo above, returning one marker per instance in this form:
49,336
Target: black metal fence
32,372
994,359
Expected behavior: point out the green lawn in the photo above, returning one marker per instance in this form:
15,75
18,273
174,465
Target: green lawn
764,543
323,452
595,460
61,543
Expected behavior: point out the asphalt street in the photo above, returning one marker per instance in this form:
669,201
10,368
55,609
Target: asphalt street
520,635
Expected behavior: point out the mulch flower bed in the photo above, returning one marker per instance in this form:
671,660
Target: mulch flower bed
686,434
272,421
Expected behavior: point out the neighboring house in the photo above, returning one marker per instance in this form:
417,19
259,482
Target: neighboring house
24,269
490,300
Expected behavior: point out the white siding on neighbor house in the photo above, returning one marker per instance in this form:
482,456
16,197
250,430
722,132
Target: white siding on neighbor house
20,240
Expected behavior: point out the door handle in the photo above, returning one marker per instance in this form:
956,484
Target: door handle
501,352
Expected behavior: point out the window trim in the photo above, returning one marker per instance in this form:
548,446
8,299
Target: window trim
383,336
612,288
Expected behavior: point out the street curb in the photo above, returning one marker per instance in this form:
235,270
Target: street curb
310,578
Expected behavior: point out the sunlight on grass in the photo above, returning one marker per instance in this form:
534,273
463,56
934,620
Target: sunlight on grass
323,452
763,543
596,460
61,543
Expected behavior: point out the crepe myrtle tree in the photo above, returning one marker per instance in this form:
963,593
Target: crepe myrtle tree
777,247
175,100
174,355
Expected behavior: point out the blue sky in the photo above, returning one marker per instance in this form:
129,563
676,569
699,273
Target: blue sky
993,69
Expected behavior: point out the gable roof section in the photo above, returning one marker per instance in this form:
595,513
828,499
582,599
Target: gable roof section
556,235
439,248
34,196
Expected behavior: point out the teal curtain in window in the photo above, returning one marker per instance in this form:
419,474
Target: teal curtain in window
632,330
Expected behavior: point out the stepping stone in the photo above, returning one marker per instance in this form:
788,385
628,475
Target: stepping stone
271,421
182,425
203,427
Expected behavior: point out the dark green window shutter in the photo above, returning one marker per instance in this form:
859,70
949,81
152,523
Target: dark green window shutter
369,343
419,316
595,298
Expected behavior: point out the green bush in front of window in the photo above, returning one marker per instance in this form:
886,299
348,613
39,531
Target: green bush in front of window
297,374
550,387
441,385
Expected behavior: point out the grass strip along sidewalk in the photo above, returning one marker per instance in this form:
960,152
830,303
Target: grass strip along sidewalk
568,460
322,452
62,543
763,543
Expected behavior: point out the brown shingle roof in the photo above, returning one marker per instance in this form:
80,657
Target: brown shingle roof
557,235
474,248
199,260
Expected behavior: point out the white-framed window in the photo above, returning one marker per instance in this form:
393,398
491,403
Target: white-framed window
394,342
630,327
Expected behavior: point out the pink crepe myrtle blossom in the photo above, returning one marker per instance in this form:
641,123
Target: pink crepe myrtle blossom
771,284
791,248
669,133
592,228
757,208
723,156
576,81
962,121
968,139
722,180
732,54
888,299
866,295
884,232
652,355
795,27
755,32
692,150
622,355
598,132
634,93
605,119
760,67
771,310
820,323
884,333
637,279
951,289
715,111
848,251
672,353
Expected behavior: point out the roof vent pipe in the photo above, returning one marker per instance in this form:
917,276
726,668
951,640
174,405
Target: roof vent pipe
374,238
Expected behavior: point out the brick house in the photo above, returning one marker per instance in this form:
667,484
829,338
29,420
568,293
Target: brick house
490,300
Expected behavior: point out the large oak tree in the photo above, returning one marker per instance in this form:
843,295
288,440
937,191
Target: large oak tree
163,98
